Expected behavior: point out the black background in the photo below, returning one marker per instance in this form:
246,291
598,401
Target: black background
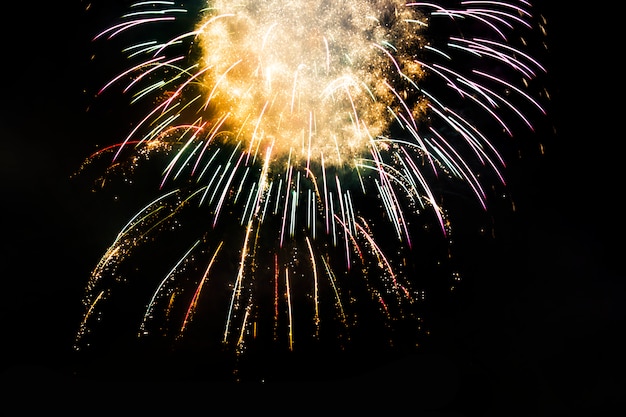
538,334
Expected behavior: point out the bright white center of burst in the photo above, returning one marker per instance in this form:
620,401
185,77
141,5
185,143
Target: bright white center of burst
309,79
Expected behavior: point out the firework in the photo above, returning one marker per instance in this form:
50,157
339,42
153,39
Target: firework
303,151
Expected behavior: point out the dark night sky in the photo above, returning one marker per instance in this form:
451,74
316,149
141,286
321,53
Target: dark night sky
538,334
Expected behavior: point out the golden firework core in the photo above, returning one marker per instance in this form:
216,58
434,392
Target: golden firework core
310,80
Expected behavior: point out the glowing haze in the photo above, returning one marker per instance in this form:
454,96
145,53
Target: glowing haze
313,79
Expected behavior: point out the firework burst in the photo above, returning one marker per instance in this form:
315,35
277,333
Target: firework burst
303,150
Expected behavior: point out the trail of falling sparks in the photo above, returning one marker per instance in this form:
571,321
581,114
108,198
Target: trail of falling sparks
282,123
196,295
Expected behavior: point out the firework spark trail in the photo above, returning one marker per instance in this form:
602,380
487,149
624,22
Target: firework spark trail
286,120
169,276
194,302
